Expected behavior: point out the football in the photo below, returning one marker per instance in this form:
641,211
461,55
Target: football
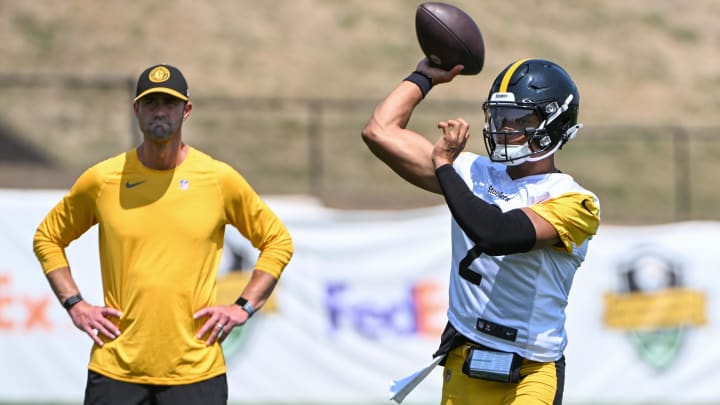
448,36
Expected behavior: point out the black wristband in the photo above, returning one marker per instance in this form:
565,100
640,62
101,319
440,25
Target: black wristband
71,301
423,81
243,302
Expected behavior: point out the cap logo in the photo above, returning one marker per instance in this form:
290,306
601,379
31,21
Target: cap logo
159,74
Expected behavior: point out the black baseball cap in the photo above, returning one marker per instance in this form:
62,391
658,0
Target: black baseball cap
162,78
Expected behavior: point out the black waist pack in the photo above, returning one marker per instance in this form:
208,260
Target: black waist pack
492,365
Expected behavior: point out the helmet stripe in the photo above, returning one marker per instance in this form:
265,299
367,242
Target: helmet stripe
508,74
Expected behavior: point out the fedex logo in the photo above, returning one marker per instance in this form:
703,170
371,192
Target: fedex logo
418,309
22,312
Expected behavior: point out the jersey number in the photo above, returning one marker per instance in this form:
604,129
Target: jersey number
464,266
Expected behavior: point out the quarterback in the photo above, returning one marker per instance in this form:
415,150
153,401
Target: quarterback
520,226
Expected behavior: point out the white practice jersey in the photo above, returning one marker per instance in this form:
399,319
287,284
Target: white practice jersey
516,303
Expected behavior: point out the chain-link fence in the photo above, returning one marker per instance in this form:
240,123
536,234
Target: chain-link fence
642,174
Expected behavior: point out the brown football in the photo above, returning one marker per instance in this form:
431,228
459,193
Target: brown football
448,36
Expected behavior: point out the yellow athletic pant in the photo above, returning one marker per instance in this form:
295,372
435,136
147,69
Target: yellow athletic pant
540,383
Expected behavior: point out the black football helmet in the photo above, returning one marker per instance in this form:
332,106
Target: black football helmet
530,113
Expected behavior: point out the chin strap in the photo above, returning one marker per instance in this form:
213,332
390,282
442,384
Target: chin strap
571,132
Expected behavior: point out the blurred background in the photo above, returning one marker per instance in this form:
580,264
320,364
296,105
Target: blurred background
282,89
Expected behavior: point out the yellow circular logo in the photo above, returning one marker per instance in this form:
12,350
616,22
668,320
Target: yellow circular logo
159,74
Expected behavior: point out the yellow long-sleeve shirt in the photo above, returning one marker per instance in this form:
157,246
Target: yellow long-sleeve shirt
161,238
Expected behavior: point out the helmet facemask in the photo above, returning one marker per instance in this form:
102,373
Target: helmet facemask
519,132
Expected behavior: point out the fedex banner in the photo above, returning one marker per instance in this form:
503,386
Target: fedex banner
363,303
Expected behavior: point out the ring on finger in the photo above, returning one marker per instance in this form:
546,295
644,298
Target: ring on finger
219,326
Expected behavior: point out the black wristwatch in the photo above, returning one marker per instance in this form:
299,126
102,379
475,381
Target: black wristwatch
71,301
243,302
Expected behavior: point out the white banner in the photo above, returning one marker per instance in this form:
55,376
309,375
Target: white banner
363,303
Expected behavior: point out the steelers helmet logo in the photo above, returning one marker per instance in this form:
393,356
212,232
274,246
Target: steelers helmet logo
159,74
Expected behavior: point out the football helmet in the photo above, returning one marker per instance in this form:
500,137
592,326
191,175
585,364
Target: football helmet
530,113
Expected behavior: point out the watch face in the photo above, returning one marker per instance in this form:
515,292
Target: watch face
243,302
71,301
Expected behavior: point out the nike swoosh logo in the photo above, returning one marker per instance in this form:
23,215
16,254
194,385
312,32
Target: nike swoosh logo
131,185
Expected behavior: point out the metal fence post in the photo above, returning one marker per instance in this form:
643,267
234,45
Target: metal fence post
315,153
682,174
